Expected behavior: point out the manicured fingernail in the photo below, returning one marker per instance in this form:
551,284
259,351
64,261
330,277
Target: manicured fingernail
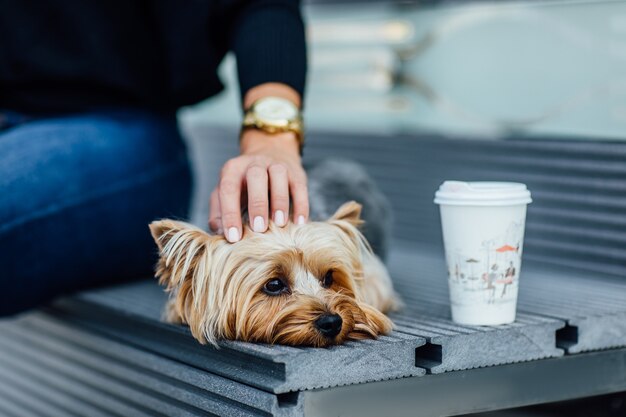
259,224
233,235
279,218
300,219
219,231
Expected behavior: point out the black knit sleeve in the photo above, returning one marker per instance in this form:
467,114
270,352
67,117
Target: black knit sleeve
268,40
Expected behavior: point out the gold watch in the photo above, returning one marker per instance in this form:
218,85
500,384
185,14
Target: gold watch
275,115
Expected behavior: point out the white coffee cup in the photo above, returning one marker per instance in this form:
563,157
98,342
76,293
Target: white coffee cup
483,234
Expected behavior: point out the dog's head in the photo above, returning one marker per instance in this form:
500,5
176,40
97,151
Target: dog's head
295,285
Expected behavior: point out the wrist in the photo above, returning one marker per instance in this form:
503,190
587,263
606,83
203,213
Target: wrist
255,141
272,119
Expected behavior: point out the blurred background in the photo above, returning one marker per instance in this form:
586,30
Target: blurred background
458,67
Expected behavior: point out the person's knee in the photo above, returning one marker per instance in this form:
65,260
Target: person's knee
75,217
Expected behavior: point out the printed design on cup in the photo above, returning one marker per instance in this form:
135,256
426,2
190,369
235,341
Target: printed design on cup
491,275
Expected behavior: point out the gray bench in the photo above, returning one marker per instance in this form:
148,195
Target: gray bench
105,352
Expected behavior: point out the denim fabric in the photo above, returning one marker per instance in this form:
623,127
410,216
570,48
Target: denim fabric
76,195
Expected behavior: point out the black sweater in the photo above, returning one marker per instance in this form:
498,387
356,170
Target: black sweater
75,55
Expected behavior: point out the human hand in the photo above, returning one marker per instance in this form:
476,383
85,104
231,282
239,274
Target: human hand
266,173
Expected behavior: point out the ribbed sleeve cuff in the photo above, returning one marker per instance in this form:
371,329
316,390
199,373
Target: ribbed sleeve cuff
269,43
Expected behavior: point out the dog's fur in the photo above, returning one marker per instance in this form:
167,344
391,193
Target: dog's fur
217,288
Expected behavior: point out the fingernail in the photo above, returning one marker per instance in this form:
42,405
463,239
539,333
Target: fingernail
233,235
279,218
219,231
300,219
259,224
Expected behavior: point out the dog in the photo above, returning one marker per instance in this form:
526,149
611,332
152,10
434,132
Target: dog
317,284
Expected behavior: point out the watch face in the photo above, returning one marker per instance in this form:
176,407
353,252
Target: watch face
274,109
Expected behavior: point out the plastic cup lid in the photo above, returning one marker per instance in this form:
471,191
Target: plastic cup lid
482,193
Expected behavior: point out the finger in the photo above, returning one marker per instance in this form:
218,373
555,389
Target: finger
258,204
300,198
215,216
279,193
230,198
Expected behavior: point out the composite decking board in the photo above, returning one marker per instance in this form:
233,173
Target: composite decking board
305,368
9,408
212,386
565,215
68,348
426,318
71,389
594,303
477,390
147,381
55,364
26,397
174,343
419,275
557,299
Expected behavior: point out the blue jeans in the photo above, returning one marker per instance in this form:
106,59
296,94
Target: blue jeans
76,195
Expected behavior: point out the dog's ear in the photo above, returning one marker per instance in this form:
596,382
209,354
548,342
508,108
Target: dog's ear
181,247
350,212
187,268
348,219
163,231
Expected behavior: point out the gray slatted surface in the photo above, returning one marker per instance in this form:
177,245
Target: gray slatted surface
579,209
52,368
131,313
420,278
549,298
593,305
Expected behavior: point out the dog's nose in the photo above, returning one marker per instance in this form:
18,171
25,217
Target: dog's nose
329,325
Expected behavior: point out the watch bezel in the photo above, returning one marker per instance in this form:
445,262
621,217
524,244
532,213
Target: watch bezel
263,122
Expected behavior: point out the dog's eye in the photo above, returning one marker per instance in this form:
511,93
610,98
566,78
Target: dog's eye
275,286
328,279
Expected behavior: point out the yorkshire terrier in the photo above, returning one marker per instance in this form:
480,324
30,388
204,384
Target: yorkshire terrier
316,284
